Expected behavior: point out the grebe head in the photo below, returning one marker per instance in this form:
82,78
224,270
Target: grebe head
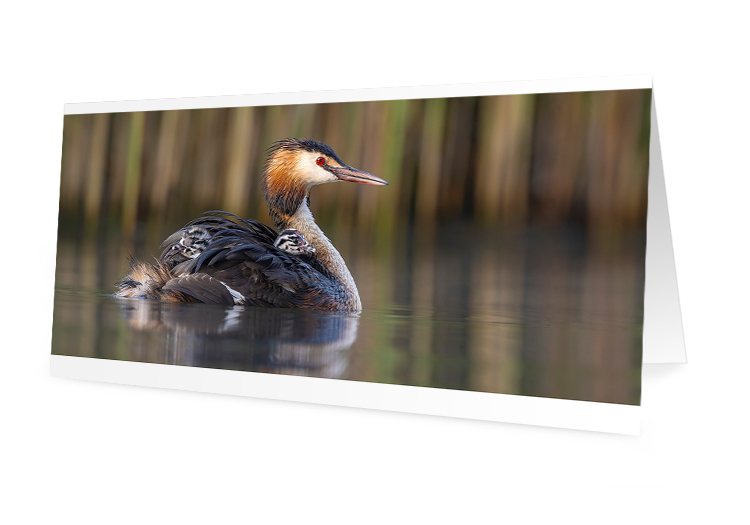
292,241
296,165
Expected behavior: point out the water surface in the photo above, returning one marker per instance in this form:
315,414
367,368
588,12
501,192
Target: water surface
539,312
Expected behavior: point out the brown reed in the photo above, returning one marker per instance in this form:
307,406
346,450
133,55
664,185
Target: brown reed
559,158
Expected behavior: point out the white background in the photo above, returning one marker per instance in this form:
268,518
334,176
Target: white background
78,452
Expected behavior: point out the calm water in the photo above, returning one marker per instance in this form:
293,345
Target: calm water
533,312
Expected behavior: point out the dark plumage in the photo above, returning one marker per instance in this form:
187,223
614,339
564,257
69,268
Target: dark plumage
220,258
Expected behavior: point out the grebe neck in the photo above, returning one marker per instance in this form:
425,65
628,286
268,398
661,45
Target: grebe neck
325,252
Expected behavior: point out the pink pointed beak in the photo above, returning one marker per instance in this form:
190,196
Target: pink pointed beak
350,174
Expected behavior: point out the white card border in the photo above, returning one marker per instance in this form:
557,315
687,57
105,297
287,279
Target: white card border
359,95
553,412
663,335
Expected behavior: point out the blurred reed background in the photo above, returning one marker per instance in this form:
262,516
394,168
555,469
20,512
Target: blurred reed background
560,158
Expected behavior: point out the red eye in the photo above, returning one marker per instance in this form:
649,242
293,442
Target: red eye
320,161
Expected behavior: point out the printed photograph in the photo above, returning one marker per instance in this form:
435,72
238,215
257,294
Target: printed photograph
492,244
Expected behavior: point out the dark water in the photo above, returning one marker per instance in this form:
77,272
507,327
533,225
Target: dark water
534,312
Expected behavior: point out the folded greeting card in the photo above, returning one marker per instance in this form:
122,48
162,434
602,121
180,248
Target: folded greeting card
490,251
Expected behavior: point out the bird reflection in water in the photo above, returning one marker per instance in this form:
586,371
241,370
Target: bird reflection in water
257,339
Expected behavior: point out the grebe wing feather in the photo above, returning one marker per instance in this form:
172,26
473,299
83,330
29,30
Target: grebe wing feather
218,225
240,261
202,287
265,275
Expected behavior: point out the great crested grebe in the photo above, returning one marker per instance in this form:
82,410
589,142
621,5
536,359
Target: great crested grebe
220,258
